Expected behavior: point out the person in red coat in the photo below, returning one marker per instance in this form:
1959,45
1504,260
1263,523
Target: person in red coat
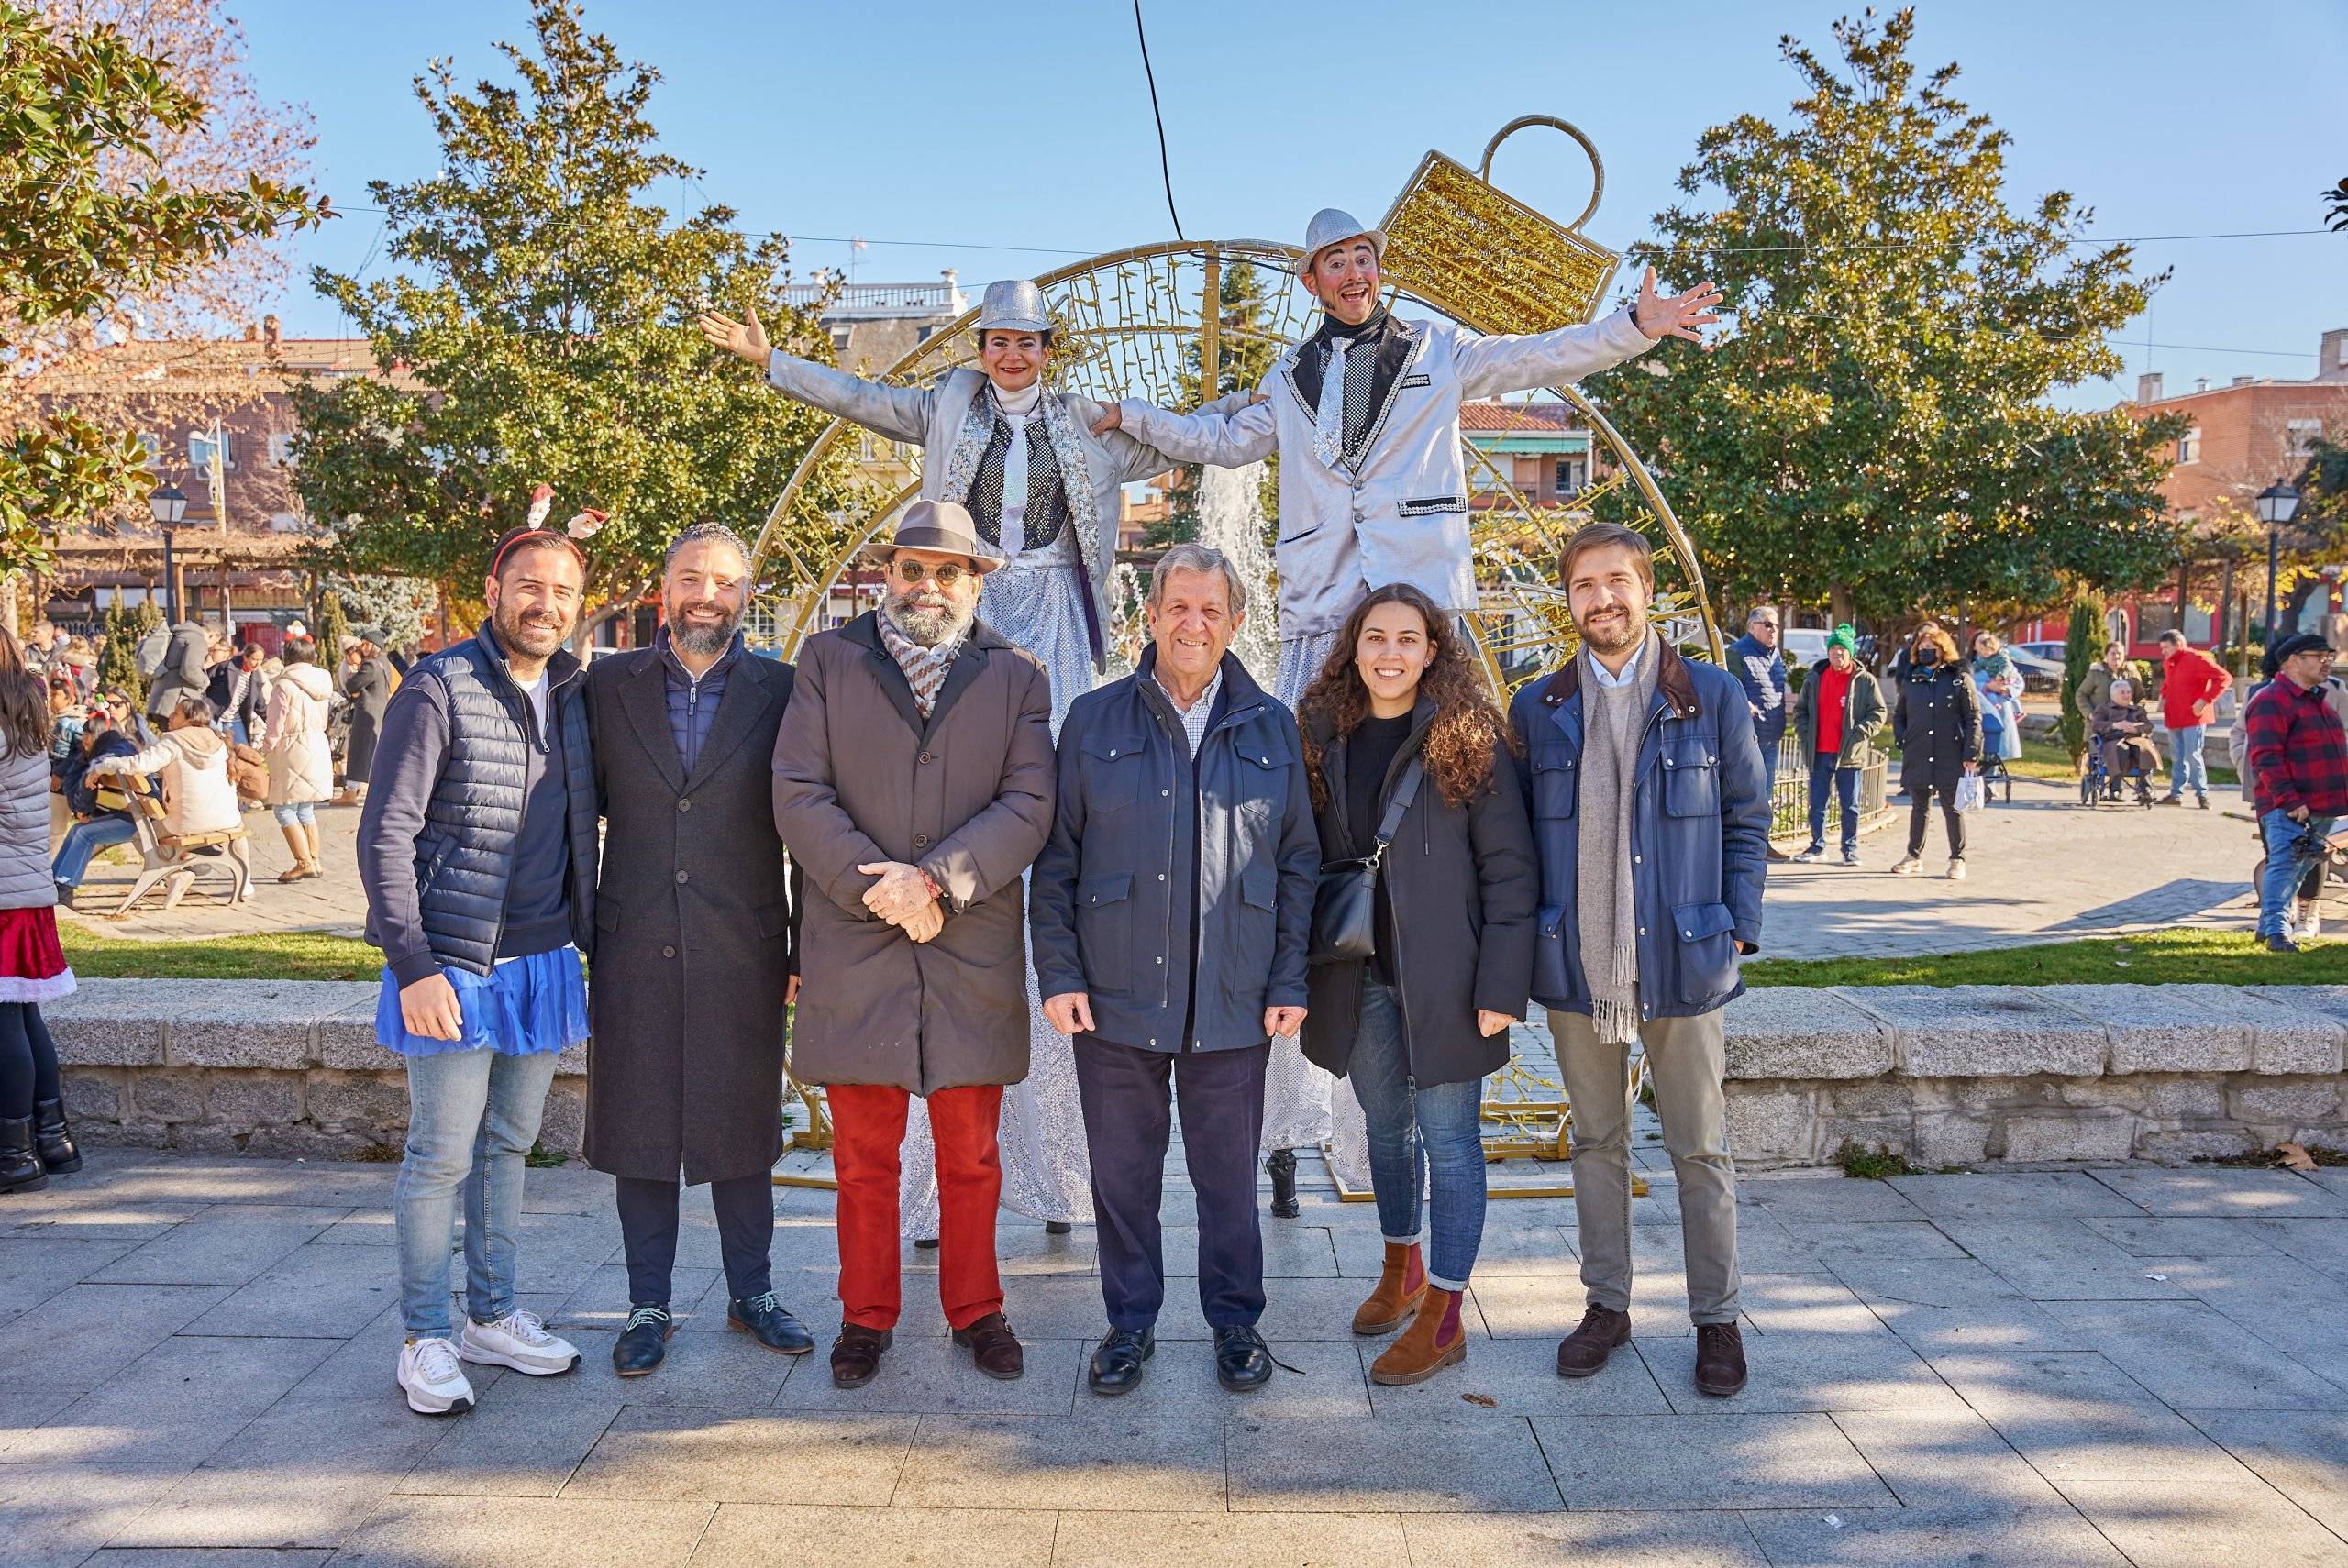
2191,684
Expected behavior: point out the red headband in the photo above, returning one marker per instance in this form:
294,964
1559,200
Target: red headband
534,536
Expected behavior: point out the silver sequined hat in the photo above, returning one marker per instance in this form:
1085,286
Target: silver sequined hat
1331,225
1015,304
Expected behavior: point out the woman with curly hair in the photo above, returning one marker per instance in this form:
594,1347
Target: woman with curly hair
1403,743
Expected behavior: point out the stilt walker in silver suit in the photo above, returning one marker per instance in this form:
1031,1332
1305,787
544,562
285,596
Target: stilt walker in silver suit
1043,489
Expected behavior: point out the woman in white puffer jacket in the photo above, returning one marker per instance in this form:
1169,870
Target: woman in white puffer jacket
198,795
301,761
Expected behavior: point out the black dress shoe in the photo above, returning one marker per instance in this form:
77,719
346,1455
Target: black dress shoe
1057,1227
763,1316
1117,1364
644,1343
856,1355
1242,1360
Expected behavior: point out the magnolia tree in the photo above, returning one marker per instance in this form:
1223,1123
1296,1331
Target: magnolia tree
541,319
1875,429
144,187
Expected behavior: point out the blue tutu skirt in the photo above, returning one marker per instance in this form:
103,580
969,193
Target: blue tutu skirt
525,1006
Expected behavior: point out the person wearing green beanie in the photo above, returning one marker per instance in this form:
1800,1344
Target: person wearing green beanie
1839,711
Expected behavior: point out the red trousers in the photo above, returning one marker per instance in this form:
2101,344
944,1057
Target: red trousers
868,1126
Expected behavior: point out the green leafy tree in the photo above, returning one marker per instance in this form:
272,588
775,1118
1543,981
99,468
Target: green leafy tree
333,626
76,109
2082,648
542,328
1243,354
125,628
403,606
1874,429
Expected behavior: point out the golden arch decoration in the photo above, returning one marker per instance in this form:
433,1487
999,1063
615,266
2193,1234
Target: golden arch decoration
1143,322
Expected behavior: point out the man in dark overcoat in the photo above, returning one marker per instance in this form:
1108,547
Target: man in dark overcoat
694,956
913,783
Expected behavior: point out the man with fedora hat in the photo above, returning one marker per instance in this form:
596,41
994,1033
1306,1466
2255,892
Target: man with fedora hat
913,784
1365,415
1042,489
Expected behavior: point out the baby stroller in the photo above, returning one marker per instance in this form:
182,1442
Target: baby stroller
1997,779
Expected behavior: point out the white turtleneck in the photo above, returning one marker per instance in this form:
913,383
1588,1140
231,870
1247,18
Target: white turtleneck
1017,407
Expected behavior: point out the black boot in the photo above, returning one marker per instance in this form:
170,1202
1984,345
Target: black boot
57,1150
1282,1164
20,1167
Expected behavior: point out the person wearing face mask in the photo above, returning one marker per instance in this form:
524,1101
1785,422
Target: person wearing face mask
1937,728
1043,490
1402,748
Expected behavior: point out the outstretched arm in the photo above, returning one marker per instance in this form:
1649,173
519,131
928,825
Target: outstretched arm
1137,458
1227,437
901,414
1490,366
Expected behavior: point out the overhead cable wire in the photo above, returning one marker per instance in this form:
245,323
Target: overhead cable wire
1164,170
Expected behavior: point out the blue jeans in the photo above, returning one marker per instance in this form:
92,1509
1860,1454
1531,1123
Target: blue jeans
1419,1137
83,840
296,815
2291,848
2186,764
1846,784
471,1116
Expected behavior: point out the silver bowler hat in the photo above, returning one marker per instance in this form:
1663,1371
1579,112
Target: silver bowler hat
1015,304
1331,225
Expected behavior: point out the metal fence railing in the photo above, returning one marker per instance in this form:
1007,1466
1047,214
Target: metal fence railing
1789,802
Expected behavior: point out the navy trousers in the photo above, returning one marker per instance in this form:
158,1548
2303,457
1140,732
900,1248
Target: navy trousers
745,1206
1127,1127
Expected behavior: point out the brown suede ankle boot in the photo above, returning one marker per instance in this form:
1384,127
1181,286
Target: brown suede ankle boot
1432,1341
1401,1285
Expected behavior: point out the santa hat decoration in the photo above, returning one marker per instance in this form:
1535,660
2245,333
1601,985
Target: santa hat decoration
586,522
541,501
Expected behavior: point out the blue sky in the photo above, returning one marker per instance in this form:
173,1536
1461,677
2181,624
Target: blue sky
1028,124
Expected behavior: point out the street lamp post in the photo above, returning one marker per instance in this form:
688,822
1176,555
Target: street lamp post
2277,504
169,506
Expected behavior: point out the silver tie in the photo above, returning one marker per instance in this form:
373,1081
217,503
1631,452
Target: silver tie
1329,418
1013,529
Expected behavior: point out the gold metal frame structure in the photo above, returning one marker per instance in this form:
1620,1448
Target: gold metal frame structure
1143,320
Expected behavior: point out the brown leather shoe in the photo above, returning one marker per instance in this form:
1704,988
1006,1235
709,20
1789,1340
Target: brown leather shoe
856,1355
1432,1341
1402,1284
1583,1352
993,1347
1720,1359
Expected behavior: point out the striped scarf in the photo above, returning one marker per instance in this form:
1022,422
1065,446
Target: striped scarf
926,668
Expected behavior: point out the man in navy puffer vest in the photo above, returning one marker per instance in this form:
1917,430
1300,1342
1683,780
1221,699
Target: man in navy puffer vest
478,853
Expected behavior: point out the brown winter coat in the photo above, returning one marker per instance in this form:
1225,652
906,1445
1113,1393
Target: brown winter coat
693,929
967,796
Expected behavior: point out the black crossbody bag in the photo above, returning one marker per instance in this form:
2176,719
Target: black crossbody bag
1344,906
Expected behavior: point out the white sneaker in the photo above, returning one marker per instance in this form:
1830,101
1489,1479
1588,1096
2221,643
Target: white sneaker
434,1385
1956,870
1909,865
519,1341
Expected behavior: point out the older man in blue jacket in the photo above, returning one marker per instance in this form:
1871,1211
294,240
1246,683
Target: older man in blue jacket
1652,823
1170,912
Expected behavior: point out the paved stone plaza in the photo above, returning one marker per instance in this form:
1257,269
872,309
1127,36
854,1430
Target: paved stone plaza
2041,869
2074,1368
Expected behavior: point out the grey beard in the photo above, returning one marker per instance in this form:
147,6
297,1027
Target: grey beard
702,642
928,628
